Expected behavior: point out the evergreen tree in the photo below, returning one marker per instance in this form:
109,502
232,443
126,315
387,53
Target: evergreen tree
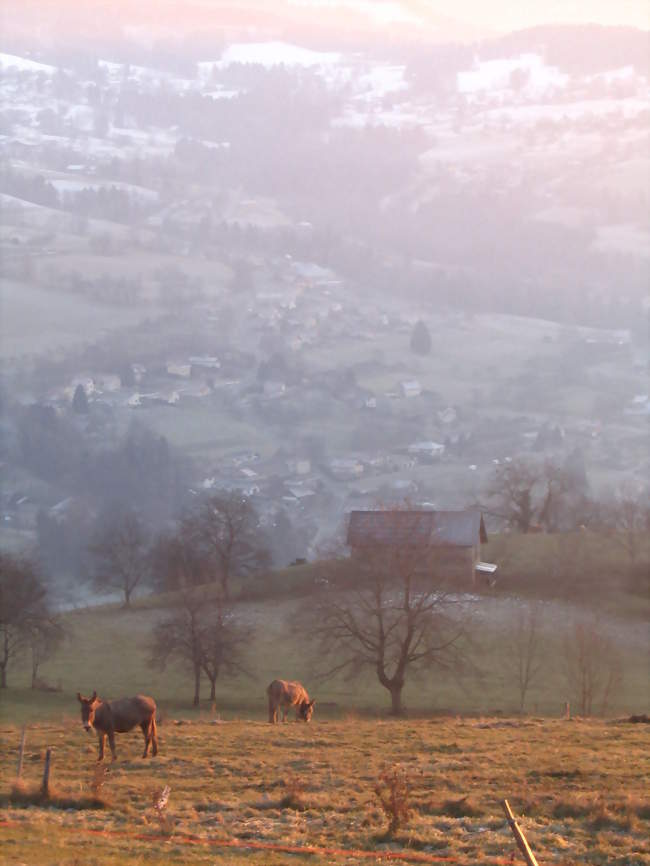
80,401
420,339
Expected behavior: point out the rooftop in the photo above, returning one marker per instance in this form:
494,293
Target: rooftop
422,528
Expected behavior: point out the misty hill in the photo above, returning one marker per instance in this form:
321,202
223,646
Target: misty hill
578,49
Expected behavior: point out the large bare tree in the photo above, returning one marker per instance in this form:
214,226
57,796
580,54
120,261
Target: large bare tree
383,612
121,552
225,528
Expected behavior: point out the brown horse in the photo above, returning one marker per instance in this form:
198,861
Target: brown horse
284,694
117,717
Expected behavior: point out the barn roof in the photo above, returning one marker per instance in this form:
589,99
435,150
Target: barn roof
416,528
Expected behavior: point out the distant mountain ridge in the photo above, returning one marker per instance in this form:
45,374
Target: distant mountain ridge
322,24
577,48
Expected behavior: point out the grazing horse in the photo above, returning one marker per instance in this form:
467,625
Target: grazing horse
284,694
117,717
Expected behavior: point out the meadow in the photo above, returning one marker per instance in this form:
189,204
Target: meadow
570,577
246,792
63,320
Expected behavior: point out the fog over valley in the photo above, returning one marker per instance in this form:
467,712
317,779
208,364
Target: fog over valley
229,252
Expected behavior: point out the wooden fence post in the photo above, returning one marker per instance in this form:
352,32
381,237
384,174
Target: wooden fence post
520,839
21,752
567,710
45,788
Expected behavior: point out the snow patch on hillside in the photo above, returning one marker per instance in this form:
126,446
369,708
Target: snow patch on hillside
272,54
23,64
527,73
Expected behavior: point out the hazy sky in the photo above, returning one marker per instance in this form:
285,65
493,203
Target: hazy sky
511,14
437,19
500,14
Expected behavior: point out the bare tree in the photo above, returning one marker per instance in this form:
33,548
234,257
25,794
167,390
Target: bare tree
629,518
592,665
556,485
44,638
224,641
524,659
22,606
528,495
383,612
178,637
226,528
122,555
176,563
203,636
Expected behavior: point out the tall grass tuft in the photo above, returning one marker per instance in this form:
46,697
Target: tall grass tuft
294,797
463,807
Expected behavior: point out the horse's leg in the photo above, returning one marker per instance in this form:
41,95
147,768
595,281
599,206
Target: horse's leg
111,743
146,726
153,734
100,739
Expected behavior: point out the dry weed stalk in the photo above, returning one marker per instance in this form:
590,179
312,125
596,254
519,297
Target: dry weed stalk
393,790
159,801
100,773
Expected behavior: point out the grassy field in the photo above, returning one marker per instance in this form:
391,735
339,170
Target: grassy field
244,792
107,649
37,320
242,789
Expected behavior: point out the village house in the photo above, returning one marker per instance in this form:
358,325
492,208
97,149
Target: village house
427,449
178,368
202,363
412,388
450,540
345,468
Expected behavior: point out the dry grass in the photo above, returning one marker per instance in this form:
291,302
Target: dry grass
578,790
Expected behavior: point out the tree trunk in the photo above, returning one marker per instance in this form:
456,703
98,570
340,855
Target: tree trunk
213,688
127,596
396,708
5,660
225,583
34,672
197,686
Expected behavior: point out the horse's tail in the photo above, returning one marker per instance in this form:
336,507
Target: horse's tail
153,733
